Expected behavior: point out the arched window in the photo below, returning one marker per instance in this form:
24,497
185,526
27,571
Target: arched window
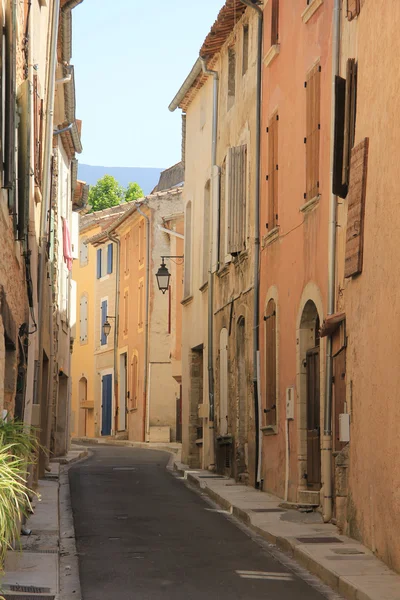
187,284
223,382
270,364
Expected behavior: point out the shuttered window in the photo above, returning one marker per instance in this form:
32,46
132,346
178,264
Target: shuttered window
134,382
339,395
126,312
313,98
187,278
38,130
126,254
83,253
356,209
353,9
206,232
109,258
231,77
10,103
83,320
273,172
274,22
99,263
141,242
140,303
270,364
236,200
245,56
103,338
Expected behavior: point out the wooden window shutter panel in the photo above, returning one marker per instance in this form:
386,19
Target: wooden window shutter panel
10,103
349,116
313,94
353,9
356,209
274,22
270,366
273,172
236,205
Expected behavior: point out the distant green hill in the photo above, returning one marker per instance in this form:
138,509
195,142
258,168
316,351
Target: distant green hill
146,177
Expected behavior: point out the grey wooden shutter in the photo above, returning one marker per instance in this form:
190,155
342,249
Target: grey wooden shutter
83,319
237,157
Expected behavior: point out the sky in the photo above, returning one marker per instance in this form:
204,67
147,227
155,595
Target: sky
130,58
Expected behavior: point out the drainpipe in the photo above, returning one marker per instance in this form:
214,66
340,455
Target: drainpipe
146,394
256,303
116,373
327,439
215,178
42,272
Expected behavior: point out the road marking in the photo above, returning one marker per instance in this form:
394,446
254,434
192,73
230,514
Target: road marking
265,575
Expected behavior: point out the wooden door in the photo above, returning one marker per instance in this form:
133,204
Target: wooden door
106,406
339,396
122,392
313,420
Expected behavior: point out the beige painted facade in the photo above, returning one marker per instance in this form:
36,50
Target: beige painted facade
228,443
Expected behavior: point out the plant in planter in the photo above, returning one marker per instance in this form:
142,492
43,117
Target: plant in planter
18,449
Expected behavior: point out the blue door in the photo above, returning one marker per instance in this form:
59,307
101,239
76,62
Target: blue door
106,404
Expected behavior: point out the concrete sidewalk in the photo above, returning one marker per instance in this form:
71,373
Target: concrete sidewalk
342,563
32,570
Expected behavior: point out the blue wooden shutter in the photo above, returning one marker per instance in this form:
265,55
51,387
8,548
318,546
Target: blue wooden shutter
109,258
103,320
99,263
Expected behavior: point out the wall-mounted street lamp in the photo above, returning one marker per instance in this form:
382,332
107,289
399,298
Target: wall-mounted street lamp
163,275
107,326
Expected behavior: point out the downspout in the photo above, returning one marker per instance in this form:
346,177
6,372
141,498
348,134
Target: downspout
46,193
215,177
117,242
327,439
146,393
256,297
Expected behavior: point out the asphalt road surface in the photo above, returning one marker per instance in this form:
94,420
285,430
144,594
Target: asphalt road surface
142,534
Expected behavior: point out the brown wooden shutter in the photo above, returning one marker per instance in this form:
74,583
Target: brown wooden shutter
353,9
270,364
356,208
273,172
38,130
338,188
313,98
274,22
237,199
10,103
339,373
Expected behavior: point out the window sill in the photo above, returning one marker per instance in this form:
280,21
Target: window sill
269,430
271,54
199,442
203,287
187,300
310,204
224,270
311,9
270,237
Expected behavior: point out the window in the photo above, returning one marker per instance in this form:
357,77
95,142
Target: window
103,338
236,199
83,320
126,312
231,77
109,258
273,172
353,9
140,303
275,22
187,283
126,254
38,131
245,56
141,242
270,364
133,393
99,263
345,128
223,382
83,253
206,232
312,140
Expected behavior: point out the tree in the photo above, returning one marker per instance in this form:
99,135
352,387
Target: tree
106,193
133,192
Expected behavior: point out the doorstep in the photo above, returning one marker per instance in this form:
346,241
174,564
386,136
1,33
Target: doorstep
345,565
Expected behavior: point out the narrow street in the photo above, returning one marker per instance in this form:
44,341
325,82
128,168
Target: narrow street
143,534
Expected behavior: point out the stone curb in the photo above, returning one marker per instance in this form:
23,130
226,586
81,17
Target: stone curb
288,545
69,580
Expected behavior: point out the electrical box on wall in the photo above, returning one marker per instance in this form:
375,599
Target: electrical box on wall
344,427
290,403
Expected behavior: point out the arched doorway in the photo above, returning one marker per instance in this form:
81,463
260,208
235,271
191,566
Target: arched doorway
241,405
310,401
